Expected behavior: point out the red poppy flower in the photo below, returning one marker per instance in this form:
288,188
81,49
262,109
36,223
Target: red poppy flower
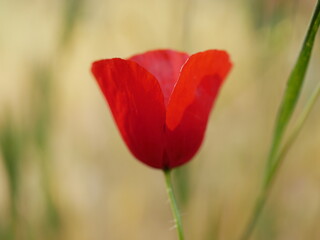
161,101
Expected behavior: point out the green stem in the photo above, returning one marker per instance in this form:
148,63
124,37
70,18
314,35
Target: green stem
294,86
300,122
273,171
292,137
256,213
173,204
276,155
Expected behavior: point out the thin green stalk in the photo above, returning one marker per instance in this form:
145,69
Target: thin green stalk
290,98
300,122
294,86
256,213
173,204
296,130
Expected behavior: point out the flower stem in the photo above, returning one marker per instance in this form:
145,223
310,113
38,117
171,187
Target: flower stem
173,204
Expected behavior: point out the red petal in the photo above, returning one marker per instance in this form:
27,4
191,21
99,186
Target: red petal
137,105
191,101
165,65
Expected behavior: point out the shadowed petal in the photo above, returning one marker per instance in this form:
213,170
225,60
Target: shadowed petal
190,103
137,105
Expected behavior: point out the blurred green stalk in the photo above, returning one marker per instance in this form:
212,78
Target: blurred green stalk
71,14
42,105
213,231
287,107
11,147
300,123
14,139
43,91
294,87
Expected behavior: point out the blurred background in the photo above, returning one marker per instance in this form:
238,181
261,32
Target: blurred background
66,174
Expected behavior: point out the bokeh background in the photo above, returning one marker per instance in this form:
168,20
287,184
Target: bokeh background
66,174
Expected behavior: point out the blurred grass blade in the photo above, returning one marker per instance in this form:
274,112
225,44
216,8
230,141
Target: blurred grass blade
71,13
10,145
294,86
286,109
11,148
215,220
42,106
299,124
42,92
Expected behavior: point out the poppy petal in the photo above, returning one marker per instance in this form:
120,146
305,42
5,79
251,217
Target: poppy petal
165,65
137,105
191,101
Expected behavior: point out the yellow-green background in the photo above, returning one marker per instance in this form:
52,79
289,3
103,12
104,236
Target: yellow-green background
66,174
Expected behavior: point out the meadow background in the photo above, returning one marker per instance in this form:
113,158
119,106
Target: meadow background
65,173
